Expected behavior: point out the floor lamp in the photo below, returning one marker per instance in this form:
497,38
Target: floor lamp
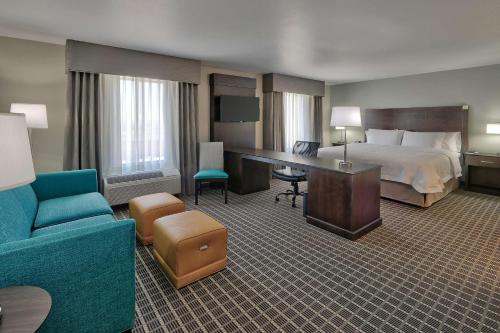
345,116
16,164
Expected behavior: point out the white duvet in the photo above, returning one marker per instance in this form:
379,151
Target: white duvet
425,169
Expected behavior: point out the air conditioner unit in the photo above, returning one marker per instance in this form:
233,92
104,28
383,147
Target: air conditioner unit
120,189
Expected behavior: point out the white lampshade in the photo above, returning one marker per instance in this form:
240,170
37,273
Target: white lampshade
36,114
340,127
493,128
16,163
346,116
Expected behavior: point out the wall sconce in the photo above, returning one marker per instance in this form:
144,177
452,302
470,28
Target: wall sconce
493,129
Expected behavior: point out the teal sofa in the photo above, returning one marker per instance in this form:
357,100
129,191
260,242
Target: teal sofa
59,234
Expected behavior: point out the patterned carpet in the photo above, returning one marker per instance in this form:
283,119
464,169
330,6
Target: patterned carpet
423,270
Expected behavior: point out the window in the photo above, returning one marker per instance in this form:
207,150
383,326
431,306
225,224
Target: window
140,124
298,119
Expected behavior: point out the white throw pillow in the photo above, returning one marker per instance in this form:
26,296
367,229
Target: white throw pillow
452,141
424,139
384,137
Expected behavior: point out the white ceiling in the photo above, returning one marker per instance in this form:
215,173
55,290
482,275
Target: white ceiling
332,40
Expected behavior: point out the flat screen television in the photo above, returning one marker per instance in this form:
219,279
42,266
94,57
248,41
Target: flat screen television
236,109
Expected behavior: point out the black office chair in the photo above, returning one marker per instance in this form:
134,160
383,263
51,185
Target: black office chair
294,176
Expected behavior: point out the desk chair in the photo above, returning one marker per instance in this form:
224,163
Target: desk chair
294,176
211,170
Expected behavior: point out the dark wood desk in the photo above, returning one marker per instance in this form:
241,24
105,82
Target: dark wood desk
343,201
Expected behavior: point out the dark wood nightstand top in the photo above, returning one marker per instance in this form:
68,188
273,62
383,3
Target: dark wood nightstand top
337,144
472,153
482,160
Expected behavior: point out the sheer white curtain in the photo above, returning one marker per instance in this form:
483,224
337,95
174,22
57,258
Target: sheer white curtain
298,118
140,124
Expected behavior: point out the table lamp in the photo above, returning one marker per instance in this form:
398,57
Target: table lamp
342,130
16,164
346,116
493,129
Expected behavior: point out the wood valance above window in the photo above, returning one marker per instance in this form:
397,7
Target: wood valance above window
96,58
273,82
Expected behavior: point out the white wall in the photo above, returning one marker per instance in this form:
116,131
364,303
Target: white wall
478,87
33,72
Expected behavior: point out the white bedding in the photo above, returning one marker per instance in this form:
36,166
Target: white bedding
425,169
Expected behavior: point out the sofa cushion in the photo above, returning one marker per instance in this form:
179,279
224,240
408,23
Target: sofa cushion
18,208
52,185
72,225
75,207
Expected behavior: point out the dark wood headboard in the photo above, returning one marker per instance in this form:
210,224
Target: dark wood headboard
421,119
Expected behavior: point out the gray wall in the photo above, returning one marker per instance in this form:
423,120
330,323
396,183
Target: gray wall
33,72
479,87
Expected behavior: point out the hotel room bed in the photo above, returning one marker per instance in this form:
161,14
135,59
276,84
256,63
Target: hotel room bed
416,175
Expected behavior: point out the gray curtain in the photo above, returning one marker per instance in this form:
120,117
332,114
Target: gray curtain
273,126
188,131
81,139
318,118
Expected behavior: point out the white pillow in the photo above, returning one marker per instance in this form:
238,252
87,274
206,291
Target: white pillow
452,141
384,137
424,139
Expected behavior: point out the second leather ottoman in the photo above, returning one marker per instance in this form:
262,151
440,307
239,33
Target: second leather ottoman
189,246
147,208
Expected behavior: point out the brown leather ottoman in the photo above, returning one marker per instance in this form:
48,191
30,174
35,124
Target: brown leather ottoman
147,208
189,246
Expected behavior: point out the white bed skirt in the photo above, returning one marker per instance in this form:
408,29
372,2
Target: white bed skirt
407,194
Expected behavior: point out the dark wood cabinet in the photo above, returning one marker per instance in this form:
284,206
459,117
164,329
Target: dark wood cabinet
233,134
345,203
482,173
246,175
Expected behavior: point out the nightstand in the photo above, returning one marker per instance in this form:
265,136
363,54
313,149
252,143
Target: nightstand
482,172
335,144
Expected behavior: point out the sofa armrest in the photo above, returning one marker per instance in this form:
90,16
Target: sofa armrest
89,273
66,183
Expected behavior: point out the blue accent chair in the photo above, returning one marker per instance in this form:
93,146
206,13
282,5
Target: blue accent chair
59,234
211,170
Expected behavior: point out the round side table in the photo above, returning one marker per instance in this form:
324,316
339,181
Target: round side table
24,309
